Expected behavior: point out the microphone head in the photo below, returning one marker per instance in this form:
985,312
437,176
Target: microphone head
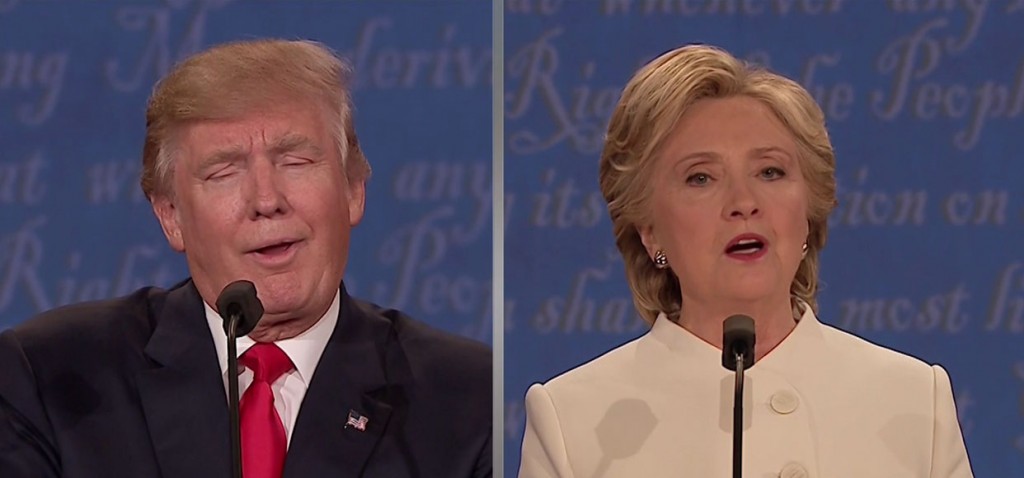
239,298
738,338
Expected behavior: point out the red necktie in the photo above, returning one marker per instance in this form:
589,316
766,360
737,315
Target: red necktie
263,439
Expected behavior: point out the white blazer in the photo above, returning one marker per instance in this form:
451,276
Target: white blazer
824,403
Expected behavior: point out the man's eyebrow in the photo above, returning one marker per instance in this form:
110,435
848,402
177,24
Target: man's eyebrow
288,143
226,155
293,142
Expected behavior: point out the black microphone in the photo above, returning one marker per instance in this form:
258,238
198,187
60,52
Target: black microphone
241,311
738,355
738,341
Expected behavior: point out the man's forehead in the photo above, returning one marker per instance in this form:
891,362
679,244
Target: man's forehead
252,132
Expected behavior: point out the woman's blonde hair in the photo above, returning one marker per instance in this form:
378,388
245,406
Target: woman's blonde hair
654,100
234,79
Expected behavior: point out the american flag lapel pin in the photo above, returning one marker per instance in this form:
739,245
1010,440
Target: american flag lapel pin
357,421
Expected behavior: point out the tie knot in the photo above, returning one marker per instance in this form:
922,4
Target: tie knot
267,362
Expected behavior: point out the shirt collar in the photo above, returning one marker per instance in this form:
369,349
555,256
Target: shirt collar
304,349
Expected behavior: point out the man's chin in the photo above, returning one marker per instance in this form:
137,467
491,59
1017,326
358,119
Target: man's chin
278,311
272,328
285,303
281,295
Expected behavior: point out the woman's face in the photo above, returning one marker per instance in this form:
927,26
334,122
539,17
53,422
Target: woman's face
729,203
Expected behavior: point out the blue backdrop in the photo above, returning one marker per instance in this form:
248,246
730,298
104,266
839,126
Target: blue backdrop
74,79
925,101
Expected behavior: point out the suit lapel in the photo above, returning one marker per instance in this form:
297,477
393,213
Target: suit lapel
351,379
183,394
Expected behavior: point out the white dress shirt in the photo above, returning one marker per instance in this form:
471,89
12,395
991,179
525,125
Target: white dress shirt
304,350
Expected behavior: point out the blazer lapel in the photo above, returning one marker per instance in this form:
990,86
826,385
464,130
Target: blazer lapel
351,381
183,394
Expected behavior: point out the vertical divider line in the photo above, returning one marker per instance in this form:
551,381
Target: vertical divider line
498,234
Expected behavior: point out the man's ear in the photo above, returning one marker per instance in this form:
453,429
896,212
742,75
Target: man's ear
356,201
168,216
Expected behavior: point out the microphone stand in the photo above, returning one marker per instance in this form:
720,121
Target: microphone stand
236,436
738,339
737,420
241,310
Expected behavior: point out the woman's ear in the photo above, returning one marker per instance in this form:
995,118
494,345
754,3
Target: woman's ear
649,240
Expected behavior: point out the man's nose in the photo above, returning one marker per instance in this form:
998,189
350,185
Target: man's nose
266,193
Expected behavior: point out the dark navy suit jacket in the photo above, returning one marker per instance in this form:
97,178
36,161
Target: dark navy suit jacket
131,387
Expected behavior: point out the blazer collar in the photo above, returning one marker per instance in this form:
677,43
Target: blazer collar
354,381
801,347
804,347
182,393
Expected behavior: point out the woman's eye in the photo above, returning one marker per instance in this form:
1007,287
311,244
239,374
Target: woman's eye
698,179
772,173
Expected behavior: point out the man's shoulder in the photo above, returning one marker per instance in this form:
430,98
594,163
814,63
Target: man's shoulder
432,352
102,323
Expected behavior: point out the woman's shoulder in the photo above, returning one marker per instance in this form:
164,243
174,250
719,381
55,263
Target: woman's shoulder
867,358
610,369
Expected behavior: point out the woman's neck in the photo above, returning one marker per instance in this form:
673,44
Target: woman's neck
773,320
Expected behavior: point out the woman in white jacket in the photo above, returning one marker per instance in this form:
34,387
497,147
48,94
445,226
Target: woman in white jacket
719,178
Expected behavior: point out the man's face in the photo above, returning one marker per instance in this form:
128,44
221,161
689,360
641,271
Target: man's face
264,198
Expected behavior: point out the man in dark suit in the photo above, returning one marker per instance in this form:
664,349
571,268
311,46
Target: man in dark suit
254,171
